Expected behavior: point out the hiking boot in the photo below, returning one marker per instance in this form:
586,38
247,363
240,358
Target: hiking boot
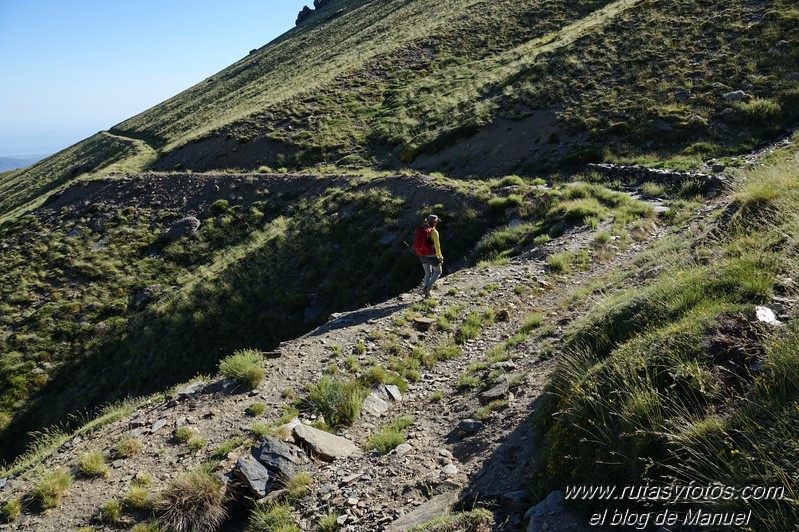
426,292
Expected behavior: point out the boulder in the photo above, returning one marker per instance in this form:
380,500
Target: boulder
553,504
435,507
737,96
393,392
254,474
469,427
498,392
283,459
374,405
303,14
185,226
324,445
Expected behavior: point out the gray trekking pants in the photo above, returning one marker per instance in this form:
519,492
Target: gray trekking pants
432,270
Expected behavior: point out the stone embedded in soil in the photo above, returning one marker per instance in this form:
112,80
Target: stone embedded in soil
450,470
324,445
500,391
393,392
516,500
158,425
191,390
403,449
374,405
281,458
255,474
469,427
184,226
423,324
435,507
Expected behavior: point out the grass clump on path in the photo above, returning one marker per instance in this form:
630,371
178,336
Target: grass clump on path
245,367
339,402
389,436
193,501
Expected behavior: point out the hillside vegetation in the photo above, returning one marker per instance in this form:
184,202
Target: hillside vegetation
302,171
393,83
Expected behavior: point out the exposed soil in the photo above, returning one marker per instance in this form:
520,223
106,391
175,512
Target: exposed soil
505,147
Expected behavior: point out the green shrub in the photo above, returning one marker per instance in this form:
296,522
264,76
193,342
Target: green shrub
466,381
480,520
511,180
193,501
92,464
273,517
52,487
184,433
578,210
138,498
128,447
244,366
560,262
255,409
532,322
375,375
196,444
146,527
228,446
218,207
298,485
484,412
652,190
760,111
328,523
337,401
12,510
111,512
390,435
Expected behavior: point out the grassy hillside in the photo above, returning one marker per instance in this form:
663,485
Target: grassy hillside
677,381
302,161
439,84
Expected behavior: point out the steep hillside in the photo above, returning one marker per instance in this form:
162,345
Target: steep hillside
439,85
610,324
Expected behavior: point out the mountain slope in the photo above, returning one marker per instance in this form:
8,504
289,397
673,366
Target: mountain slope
397,83
256,207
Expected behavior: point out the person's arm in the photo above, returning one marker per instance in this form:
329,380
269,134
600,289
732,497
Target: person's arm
436,244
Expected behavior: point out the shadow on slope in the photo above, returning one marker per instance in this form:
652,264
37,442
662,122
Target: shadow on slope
331,252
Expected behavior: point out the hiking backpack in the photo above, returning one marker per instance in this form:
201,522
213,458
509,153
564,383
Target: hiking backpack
423,243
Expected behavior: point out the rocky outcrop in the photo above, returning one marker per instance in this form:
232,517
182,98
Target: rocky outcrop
307,11
642,174
185,226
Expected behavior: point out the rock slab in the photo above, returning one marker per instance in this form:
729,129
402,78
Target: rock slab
254,474
324,445
281,458
435,507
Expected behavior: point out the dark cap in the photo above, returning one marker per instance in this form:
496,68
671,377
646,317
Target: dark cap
432,218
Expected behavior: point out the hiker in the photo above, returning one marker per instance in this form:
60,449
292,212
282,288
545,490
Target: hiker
428,247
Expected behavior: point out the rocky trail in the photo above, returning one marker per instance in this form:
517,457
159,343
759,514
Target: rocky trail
450,459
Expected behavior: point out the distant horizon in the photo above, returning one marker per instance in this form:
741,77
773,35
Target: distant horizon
72,69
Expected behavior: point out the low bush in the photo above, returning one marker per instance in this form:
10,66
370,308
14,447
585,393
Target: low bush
52,487
193,502
339,402
111,512
390,435
245,367
274,517
92,464
12,509
128,447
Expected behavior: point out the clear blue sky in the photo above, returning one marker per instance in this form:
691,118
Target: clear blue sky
70,68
